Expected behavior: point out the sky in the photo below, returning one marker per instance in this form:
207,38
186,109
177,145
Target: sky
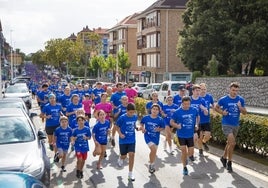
28,24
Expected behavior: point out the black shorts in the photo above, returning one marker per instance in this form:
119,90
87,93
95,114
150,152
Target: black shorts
126,148
189,142
50,130
205,127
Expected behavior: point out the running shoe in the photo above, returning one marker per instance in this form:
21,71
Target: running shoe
229,167
223,161
120,162
51,147
113,142
151,169
56,157
191,158
131,177
201,153
185,171
63,169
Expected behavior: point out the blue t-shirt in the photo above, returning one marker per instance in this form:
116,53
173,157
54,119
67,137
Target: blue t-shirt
100,130
127,127
150,124
55,112
177,99
229,104
43,96
150,104
71,108
169,110
208,101
116,98
97,94
65,100
80,93
121,109
187,119
74,124
63,137
81,145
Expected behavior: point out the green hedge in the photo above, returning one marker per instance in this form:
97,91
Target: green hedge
252,136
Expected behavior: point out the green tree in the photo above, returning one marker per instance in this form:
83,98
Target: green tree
96,65
234,31
123,62
92,44
213,66
38,58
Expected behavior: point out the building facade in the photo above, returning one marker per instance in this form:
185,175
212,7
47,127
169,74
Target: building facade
157,38
123,35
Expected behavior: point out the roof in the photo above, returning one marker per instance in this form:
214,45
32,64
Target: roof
166,4
127,21
100,30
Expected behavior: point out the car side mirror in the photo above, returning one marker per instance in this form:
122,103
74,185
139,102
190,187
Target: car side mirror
41,135
32,114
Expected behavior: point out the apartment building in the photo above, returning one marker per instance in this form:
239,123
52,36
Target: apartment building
157,38
123,35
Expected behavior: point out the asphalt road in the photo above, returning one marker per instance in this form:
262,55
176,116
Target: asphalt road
206,172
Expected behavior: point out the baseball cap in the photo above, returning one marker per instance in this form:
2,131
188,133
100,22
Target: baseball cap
182,87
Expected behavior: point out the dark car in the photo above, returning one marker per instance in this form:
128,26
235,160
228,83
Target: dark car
22,147
19,179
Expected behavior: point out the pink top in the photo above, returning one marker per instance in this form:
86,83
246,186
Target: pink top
131,94
87,105
106,107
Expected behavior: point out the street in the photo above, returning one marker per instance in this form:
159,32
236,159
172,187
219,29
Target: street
205,172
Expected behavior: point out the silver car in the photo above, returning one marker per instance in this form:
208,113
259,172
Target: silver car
21,146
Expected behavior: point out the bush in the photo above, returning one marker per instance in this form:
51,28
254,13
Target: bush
140,106
252,136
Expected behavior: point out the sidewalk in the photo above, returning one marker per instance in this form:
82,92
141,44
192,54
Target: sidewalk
257,110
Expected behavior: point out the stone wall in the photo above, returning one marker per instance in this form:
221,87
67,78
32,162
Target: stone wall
253,89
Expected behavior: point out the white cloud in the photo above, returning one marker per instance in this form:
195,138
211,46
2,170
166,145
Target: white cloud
34,22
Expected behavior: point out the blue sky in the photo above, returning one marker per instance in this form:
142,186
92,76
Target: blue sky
30,23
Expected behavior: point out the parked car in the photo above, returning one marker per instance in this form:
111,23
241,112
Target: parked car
147,92
14,103
22,147
169,88
139,86
19,179
19,90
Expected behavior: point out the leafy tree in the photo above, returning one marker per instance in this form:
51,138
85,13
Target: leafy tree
109,65
38,58
96,64
213,66
123,62
234,31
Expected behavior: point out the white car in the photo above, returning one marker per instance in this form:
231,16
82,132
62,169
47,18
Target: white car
147,92
169,88
139,86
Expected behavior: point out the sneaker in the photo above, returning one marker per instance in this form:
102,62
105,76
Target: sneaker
72,148
171,152
229,166
131,177
81,174
113,142
56,157
191,158
201,153
99,166
51,147
78,174
185,171
120,162
105,154
223,161
63,169
206,148
151,168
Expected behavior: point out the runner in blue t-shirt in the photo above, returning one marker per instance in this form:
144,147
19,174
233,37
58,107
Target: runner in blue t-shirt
62,137
96,93
81,135
126,126
51,112
151,126
230,106
100,133
73,107
168,110
154,101
186,120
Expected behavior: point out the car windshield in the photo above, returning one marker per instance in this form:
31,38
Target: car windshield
142,85
156,87
16,89
14,130
175,86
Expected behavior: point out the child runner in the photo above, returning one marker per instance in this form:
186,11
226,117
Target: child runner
125,126
151,126
87,104
62,137
100,133
81,135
